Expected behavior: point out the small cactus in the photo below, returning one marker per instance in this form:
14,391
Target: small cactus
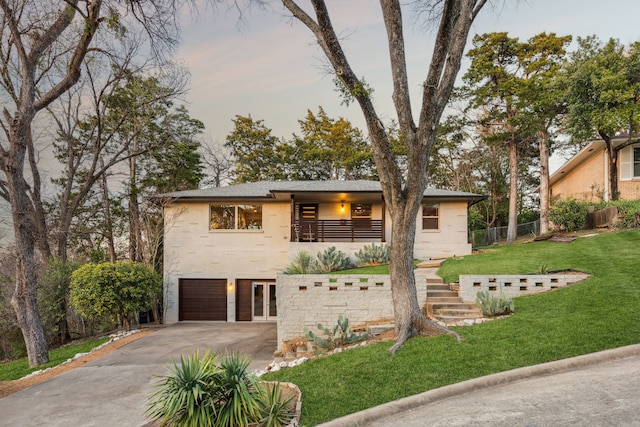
339,336
373,254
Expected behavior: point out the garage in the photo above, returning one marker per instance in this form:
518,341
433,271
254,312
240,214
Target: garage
203,299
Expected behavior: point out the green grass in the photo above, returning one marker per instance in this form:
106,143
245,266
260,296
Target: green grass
20,368
595,315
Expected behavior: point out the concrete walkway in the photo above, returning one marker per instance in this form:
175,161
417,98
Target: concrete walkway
112,390
599,389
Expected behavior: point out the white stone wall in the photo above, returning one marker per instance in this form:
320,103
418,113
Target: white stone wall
450,239
306,300
514,285
192,251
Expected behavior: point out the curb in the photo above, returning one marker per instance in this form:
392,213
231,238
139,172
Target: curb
364,418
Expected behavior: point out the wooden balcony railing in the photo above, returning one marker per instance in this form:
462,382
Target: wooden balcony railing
338,230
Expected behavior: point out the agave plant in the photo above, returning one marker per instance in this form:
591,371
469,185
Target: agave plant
184,397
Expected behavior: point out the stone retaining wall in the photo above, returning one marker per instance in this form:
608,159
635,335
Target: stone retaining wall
308,299
515,285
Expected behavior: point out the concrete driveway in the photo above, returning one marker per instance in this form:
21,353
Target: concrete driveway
112,390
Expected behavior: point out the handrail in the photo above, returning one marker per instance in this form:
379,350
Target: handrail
335,230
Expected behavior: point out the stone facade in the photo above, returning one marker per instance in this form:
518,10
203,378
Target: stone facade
306,300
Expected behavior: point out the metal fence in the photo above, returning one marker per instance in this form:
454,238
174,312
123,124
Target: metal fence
491,235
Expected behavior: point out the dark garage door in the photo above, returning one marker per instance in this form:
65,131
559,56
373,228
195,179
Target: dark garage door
203,299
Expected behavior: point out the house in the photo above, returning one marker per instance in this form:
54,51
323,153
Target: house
586,175
224,247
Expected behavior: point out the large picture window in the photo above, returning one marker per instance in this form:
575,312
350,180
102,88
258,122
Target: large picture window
430,214
235,217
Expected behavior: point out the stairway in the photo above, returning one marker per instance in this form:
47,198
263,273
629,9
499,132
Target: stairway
443,304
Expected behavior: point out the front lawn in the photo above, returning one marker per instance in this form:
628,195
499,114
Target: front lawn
598,314
20,368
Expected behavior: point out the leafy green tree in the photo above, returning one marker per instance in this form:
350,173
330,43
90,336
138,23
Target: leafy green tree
403,179
43,46
493,84
330,149
258,154
603,81
53,296
113,289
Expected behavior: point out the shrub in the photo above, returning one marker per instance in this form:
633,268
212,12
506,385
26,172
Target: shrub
627,210
120,288
494,305
332,260
373,255
185,396
569,214
275,409
303,264
203,392
339,336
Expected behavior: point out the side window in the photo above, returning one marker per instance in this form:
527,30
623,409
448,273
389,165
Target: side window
235,217
430,213
222,217
636,162
249,217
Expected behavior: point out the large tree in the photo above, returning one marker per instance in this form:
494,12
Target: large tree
42,48
603,81
403,192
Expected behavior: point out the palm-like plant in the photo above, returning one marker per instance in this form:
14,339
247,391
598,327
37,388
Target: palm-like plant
200,392
237,393
184,397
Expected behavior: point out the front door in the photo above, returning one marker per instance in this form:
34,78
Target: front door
309,222
264,301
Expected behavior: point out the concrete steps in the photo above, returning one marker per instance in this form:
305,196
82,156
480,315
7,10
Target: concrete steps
444,305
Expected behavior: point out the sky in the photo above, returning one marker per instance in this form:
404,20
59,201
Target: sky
270,68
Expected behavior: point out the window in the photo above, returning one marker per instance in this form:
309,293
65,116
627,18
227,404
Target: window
361,210
636,162
430,216
235,217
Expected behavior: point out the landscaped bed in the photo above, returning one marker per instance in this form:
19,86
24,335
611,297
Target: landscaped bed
594,315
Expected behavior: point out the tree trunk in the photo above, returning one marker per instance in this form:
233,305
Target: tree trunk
409,319
544,182
107,214
135,236
24,299
512,226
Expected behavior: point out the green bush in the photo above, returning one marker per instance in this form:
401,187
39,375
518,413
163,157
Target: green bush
185,396
494,305
569,214
627,210
205,392
53,299
337,337
121,288
333,260
372,254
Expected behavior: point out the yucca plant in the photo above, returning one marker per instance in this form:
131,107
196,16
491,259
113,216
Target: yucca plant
276,410
303,264
237,393
184,397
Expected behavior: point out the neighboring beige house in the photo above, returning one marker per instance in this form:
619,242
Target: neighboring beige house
586,175
224,247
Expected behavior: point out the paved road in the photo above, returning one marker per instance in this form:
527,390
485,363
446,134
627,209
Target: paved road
601,389
112,390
